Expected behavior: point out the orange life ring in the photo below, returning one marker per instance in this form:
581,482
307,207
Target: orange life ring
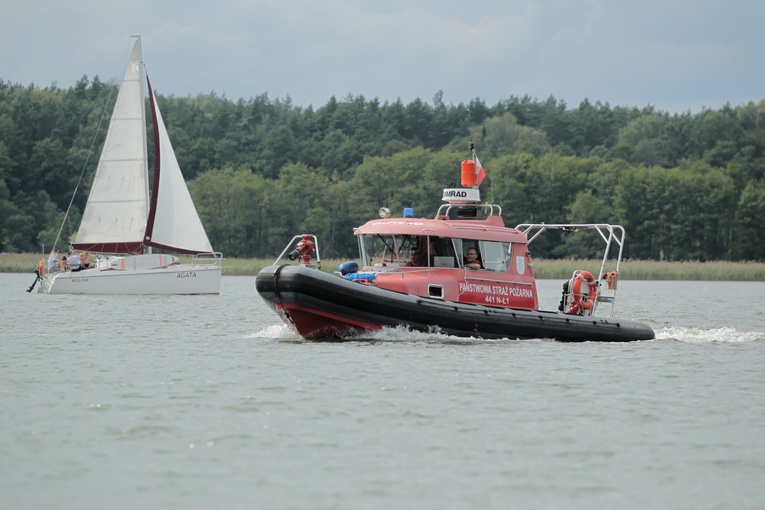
40,268
593,289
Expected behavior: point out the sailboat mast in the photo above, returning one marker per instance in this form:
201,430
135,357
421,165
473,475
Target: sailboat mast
146,148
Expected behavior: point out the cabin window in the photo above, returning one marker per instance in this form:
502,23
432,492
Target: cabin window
443,252
493,255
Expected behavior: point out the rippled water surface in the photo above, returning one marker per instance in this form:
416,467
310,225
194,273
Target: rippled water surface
202,402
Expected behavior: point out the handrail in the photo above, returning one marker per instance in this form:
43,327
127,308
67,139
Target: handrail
492,208
609,233
213,258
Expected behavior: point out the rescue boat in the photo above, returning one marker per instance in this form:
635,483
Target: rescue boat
416,273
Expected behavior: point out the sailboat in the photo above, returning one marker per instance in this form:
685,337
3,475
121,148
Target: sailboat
123,220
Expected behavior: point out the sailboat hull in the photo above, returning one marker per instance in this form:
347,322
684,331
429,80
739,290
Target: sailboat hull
174,280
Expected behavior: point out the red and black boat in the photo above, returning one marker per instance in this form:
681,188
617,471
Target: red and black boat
462,273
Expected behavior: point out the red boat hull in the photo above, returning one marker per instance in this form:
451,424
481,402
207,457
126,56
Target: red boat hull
313,323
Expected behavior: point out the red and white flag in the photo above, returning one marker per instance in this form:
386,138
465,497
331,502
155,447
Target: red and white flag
479,173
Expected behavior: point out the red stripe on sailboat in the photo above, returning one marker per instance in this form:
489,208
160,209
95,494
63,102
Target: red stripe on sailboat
155,181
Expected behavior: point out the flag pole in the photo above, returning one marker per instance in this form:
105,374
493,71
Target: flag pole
474,157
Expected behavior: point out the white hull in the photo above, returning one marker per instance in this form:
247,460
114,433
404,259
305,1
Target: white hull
172,280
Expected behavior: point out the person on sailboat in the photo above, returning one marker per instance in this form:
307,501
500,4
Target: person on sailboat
85,260
73,262
53,259
62,265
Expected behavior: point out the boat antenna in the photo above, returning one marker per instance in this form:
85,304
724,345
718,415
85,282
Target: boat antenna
473,155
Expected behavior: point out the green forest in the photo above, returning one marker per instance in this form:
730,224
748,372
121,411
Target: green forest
685,186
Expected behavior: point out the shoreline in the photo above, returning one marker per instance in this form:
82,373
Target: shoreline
544,269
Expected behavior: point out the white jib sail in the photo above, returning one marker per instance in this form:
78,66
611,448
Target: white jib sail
176,222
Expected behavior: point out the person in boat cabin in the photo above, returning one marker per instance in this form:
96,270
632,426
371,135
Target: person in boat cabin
53,259
415,259
472,260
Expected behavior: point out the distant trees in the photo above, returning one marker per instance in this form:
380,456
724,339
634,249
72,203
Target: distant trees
686,186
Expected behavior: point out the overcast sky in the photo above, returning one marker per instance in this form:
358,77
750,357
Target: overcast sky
677,55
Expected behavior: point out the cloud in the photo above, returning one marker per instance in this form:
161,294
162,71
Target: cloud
655,52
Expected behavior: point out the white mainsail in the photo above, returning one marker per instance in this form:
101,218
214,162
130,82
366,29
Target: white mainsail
115,216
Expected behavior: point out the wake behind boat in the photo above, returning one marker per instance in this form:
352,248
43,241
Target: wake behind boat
122,221
462,273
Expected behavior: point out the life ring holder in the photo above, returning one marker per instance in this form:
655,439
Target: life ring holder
579,303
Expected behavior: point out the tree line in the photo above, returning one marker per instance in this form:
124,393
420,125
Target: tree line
685,186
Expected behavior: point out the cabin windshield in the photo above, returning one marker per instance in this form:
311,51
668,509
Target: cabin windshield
388,250
398,250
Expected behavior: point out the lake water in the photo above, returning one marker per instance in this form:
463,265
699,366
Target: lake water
202,402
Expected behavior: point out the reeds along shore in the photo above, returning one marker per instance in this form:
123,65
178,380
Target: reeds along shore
630,269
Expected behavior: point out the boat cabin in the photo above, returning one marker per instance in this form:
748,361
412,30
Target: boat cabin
429,257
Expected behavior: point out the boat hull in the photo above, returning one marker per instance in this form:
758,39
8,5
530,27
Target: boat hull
319,305
173,280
